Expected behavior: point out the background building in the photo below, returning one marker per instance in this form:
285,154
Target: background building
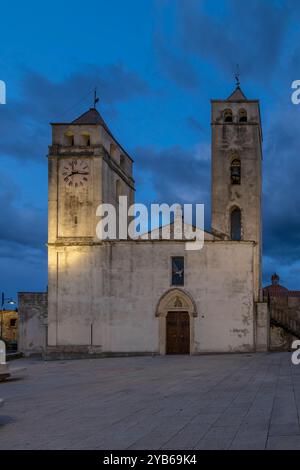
9,327
284,305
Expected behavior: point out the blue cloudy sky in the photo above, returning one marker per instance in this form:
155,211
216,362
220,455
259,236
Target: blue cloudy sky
157,64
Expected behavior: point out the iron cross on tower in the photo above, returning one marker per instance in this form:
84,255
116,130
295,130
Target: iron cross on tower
237,76
96,99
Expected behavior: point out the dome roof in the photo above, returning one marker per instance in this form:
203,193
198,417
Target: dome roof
275,289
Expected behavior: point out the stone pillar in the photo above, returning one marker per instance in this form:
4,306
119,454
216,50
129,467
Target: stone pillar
262,327
32,322
2,352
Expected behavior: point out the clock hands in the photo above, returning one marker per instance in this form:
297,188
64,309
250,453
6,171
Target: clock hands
74,168
78,173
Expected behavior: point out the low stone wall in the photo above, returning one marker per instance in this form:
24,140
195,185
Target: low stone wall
85,352
280,340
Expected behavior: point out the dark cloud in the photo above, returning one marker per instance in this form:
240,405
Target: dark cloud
21,225
195,125
230,34
114,83
24,123
251,35
281,182
23,237
262,37
176,174
22,268
183,175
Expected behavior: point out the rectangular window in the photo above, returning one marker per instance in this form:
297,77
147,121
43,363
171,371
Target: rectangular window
178,271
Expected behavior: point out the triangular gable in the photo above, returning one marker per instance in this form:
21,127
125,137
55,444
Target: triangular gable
237,95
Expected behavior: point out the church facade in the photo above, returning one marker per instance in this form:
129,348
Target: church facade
146,296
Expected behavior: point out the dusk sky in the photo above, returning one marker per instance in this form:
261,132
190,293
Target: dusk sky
157,64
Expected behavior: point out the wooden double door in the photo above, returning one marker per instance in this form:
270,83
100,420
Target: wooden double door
178,333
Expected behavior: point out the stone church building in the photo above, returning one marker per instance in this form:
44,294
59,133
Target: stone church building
150,296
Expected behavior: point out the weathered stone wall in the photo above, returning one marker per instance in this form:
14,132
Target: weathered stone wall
293,306
32,322
9,325
289,309
105,296
280,340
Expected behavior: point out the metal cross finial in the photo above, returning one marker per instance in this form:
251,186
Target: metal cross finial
237,76
96,99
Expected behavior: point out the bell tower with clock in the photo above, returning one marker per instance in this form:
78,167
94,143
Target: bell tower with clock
87,167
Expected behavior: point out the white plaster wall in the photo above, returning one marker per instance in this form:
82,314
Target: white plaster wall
115,287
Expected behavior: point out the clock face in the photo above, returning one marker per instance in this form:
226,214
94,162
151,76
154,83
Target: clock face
75,173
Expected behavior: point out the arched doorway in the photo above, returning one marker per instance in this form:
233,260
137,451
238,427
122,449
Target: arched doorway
178,333
176,311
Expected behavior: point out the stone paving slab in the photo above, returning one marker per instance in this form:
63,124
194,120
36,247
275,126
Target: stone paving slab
243,401
284,443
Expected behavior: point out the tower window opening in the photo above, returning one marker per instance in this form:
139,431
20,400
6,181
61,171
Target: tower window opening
118,190
235,171
228,115
69,140
243,115
122,162
86,139
236,224
112,150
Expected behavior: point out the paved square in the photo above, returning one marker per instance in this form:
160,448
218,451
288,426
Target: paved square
248,401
